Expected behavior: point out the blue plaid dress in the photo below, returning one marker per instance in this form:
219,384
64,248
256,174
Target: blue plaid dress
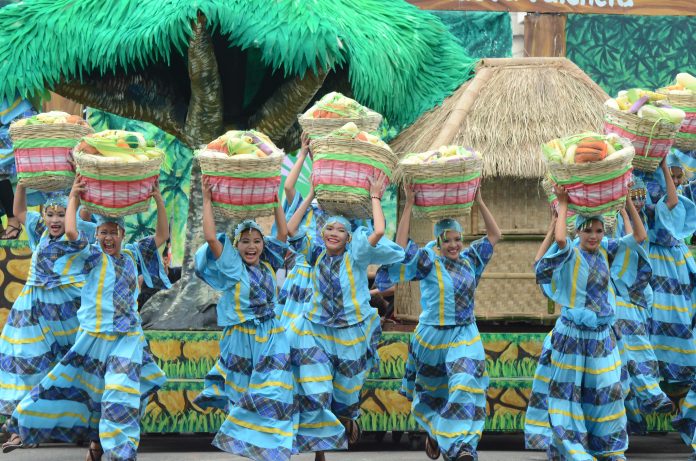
251,380
446,376
581,362
98,388
334,344
42,323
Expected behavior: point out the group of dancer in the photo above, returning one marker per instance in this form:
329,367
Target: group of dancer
74,363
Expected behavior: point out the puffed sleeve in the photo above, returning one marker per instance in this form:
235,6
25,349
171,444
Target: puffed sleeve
274,252
479,254
223,273
552,261
35,227
416,265
631,270
364,254
303,243
680,221
149,263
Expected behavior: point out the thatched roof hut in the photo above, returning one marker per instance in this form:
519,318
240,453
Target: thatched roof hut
506,112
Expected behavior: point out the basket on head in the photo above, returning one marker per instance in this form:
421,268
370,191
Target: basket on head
651,140
114,187
685,139
333,111
318,127
597,187
443,190
341,174
42,153
242,188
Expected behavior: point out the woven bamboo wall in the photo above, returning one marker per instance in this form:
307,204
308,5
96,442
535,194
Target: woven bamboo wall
508,289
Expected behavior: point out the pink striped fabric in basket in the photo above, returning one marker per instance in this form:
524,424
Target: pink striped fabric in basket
244,191
110,196
427,195
658,147
346,174
39,160
594,199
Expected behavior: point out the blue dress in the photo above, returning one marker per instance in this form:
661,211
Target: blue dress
9,111
97,390
252,379
673,281
296,292
446,376
585,399
333,345
42,323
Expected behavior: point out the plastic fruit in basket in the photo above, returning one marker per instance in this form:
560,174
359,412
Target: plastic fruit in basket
351,130
243,144
126,146
646,104
51,118
583,148
444,154
335,105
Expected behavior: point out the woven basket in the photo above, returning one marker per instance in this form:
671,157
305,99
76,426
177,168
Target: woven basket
42,153
685,139
244,188
597,187
443,190
651,140
341,171
115,188
318,127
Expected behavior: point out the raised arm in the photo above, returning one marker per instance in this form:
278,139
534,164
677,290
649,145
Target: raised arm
672,198
628,228
560,231
78,187
291,179
294,223
639,232
19,207
162,230
281,224
209,231
404,229
548,239
378,221
492,230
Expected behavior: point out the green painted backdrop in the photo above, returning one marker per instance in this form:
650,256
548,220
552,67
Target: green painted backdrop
621,52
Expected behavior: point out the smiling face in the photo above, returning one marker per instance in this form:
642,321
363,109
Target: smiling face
591,235
335,237
451,245
54,217
250,246
110,236
677,175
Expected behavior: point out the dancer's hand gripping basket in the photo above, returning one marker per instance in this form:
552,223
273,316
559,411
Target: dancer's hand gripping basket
444,181
344,163
243,170
651,139
120,170
594,187
43,146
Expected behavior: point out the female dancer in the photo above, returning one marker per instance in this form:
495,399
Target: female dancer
585,399
334,343
43,321
633,311
670,219
446,370
96,389
252,378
